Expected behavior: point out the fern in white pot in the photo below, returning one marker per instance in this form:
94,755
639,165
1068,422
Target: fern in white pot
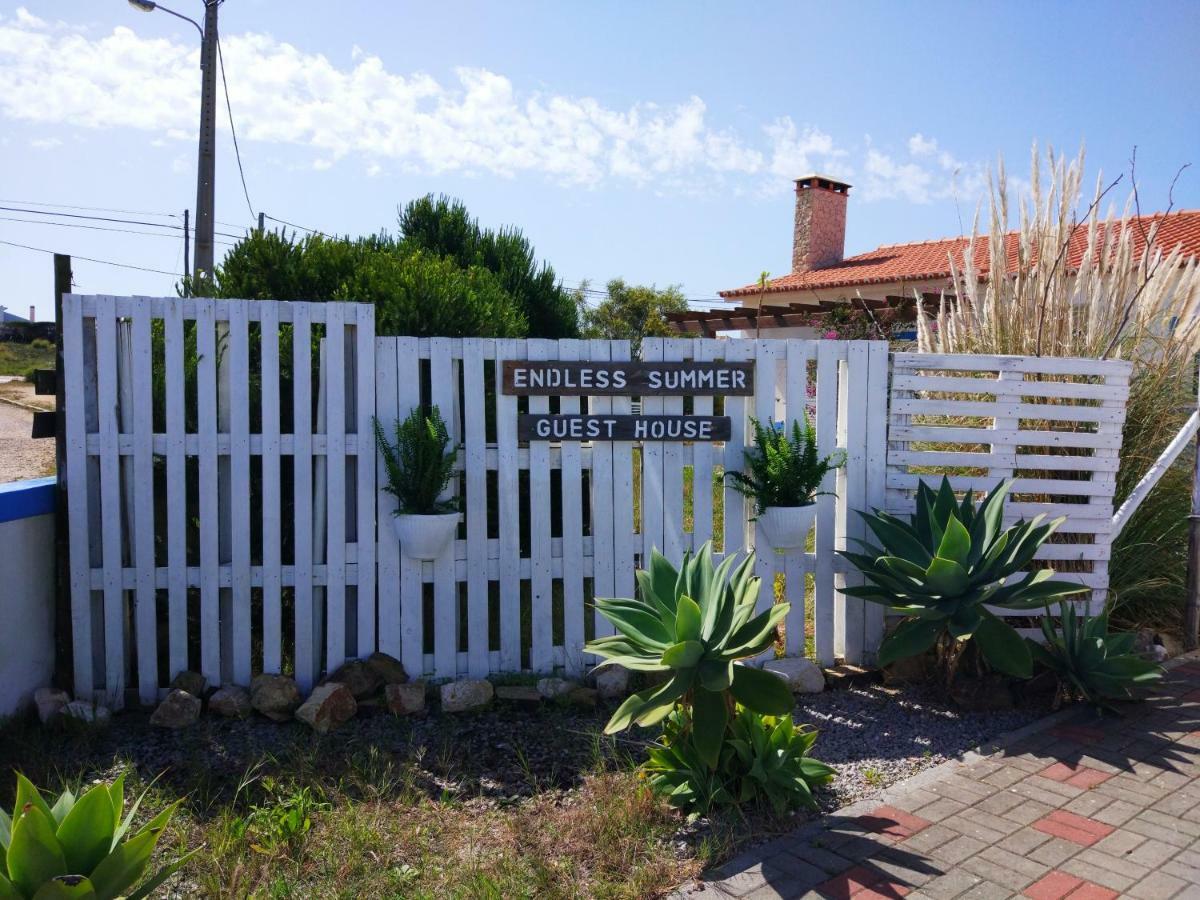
783,477
420,464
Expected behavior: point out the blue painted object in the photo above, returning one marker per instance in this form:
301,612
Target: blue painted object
25,499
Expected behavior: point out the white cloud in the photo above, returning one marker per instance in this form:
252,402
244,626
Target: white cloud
477,123
45,143
919,145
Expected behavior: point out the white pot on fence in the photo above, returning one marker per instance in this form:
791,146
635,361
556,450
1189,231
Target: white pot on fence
787,527
425,537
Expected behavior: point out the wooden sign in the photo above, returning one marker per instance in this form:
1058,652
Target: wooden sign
539,427
639,379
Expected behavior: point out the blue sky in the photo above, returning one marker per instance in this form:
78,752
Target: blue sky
650,141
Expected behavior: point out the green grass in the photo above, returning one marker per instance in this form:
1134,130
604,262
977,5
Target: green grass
22,359
376,813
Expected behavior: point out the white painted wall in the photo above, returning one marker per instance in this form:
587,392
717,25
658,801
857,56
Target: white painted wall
26,610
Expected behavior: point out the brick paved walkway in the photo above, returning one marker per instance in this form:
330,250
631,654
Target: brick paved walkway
1076,807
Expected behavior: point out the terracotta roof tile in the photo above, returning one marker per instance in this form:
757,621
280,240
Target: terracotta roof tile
929,260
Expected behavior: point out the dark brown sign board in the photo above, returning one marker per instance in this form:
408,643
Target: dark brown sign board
639,379
539,427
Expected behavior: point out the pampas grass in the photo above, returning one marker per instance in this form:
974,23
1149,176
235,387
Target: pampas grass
1120,302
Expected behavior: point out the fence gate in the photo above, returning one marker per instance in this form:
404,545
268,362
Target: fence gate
549,526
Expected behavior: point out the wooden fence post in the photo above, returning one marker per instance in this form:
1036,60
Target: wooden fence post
64,657
1191,618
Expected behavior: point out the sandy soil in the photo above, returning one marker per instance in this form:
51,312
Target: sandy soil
21,456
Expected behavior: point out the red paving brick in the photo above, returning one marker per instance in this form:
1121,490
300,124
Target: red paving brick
850,883
1053,886
1089,891
1075,775
893,823
1078,829
888,891
1081,733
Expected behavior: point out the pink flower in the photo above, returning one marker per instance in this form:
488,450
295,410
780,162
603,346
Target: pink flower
830,335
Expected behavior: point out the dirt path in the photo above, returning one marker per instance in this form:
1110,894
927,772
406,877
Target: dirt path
21,456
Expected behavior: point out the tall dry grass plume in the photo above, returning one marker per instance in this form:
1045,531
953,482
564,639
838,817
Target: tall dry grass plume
1128,297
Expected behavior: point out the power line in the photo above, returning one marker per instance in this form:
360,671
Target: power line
106,228
128,212
232,130
294,225
103,262
63,215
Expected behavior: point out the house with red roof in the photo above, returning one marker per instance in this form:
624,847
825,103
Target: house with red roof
822,278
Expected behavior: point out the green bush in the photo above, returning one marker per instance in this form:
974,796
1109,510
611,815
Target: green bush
942,566
74,849
418,465
1091,663
783,470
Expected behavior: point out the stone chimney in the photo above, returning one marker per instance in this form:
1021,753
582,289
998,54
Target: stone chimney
32,314
819,239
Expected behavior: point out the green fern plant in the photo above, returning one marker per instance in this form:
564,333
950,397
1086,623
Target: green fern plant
783,469
419,464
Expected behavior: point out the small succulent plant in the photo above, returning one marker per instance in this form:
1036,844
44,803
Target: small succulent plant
75,849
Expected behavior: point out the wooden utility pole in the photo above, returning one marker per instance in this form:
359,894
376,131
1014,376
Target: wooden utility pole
187,271
262,221
63,666
206,170
1191,618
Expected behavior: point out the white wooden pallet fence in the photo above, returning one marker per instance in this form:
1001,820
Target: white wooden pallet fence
306,571
126,605
1054,424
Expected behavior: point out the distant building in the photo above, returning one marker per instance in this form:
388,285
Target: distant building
7,315
891,275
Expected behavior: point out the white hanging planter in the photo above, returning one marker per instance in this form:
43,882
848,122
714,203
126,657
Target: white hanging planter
787,527
425,537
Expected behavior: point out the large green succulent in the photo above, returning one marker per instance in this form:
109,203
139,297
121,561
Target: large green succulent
692,626
73,849
1097,666
764,759
942,566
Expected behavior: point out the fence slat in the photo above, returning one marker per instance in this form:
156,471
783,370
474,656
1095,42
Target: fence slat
705,350
653,514
365,537
541,657
272,560
335,486
765,558
206,427
509,514
77,498
142,543
239,474
674,349
823,598
386,412
475,460
176,509
412,594
875,456
794,578
443,389
624,544
602,483
735,408
572,528
307,657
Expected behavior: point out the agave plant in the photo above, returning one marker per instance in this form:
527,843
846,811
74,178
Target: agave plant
692,626
771,756
74,850
1091,663
764,759
946,565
